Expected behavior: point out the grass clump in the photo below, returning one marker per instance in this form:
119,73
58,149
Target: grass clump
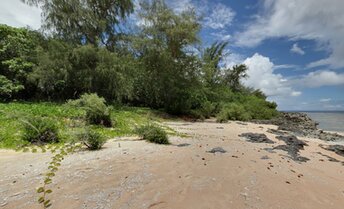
97,112
40,130
153,133
91,139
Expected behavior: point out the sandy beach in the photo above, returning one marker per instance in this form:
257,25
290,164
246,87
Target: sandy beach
129,173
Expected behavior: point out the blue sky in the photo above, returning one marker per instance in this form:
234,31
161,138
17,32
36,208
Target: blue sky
294,48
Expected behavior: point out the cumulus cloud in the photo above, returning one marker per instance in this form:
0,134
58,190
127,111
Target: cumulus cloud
261,76
17,14
296,49
321,78
319,20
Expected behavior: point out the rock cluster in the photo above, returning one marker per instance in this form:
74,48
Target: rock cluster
257,138
301,125
293,146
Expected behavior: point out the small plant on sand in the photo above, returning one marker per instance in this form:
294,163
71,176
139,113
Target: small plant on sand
153,133
97,113
91,139
40,130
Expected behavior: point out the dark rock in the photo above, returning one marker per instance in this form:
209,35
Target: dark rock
301,125
276,132
183,145
338,149
265,157
257,138
270,150
293,146
217,149
331,159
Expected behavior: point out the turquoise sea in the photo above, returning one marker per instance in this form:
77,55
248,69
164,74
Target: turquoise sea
329,121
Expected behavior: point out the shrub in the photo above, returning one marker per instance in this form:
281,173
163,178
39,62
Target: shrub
207,110
233,111
39,130
92,139
97,113
153,133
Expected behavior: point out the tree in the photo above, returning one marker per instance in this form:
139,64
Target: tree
233,76
169,74
17,57
212,56
85,21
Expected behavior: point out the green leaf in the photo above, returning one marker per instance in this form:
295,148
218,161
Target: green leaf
47,202
51,174
40,190
47,181
41,199
48,191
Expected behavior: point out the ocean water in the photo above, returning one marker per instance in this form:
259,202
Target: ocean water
328,121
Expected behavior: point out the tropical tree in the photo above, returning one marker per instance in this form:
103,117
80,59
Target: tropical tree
233,76
212,56
85,21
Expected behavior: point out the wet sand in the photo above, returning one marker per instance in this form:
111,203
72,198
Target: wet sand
135,174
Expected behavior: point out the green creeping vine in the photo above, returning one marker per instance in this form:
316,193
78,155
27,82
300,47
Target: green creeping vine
60,152
55,163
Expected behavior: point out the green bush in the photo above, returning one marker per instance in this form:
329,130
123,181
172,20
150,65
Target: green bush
207,110
97,113
153,133
233,111
39,130
92,139
259,108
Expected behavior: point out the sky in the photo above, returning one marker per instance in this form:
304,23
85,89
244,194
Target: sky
294,49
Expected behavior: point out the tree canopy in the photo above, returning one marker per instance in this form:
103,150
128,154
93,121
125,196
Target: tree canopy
89,47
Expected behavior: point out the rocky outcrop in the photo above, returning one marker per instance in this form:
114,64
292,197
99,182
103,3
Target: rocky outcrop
257,138
301,125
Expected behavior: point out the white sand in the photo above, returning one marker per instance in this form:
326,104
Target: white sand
142,175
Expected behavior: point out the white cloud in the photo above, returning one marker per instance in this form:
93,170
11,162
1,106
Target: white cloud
325,100
285,66
17,14
220,17
181,5
215,16
321,78
261,76
296,93
222,36
232,59
296,49
320,20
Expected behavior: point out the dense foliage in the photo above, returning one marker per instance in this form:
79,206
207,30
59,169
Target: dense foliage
91,47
